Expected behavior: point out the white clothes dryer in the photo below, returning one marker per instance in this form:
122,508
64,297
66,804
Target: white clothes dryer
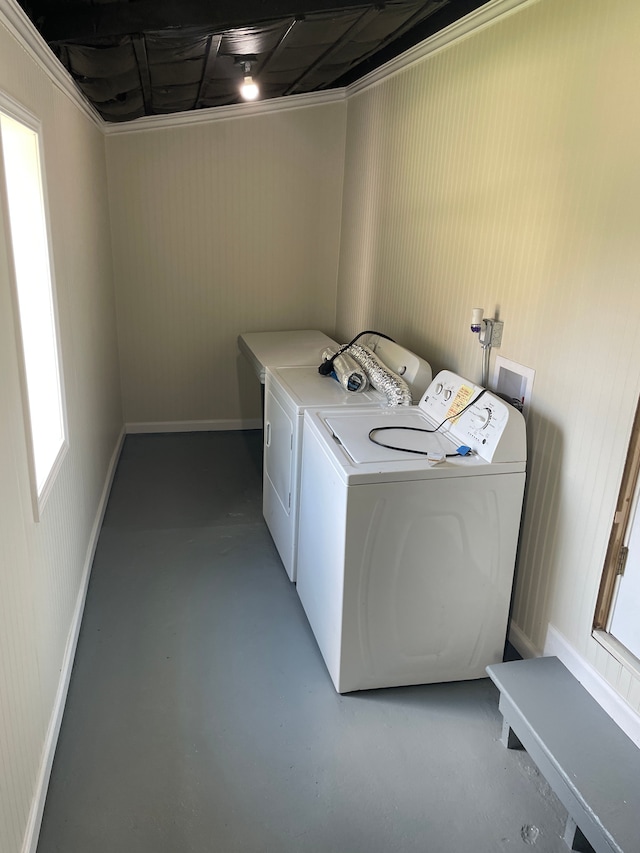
405,565
289,391
277,349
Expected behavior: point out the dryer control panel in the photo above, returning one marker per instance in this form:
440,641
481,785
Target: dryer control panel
469,414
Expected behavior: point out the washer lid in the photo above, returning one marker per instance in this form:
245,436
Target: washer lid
352,432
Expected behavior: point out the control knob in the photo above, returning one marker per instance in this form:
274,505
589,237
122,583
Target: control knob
481,418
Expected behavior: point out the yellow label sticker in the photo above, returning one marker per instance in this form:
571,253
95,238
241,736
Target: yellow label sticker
459,401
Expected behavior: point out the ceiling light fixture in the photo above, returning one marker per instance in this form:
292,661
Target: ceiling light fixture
249,89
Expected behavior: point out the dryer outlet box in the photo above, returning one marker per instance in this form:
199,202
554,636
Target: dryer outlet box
514,383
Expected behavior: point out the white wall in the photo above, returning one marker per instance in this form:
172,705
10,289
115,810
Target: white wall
220,228
502,172
44,566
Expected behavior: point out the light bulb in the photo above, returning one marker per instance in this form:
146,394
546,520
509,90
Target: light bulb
476,320
249,90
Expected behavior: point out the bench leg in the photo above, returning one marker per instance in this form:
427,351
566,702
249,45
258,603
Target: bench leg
509,738
574,838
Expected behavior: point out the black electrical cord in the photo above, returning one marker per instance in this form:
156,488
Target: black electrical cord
420,429
327,366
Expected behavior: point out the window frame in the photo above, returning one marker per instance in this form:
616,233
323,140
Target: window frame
614,555
39,497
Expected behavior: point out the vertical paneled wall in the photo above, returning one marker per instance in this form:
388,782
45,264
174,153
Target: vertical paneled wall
502,172
43,566
220,228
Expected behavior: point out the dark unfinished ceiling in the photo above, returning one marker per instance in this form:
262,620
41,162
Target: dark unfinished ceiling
134,58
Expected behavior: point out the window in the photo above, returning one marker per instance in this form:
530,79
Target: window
616,624
28,242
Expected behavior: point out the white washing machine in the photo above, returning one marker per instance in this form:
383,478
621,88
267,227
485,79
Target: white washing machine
289,391
405,566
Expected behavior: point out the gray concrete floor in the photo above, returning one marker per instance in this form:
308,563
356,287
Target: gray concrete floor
200,716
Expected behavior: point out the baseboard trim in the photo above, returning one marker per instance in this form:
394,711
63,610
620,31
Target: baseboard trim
521,643
194,426
622,713
37,806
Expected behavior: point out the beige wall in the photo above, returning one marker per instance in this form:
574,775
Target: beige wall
43,566
220,228
502,172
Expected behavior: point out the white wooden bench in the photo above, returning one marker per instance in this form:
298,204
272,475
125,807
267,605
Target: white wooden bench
592,766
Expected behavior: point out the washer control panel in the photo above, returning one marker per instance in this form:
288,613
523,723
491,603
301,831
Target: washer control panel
469,414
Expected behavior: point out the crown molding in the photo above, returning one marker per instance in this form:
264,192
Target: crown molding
233,111
19,25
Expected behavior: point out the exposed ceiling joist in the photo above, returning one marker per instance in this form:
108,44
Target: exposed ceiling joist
83,21
212,54
143,66
356,27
